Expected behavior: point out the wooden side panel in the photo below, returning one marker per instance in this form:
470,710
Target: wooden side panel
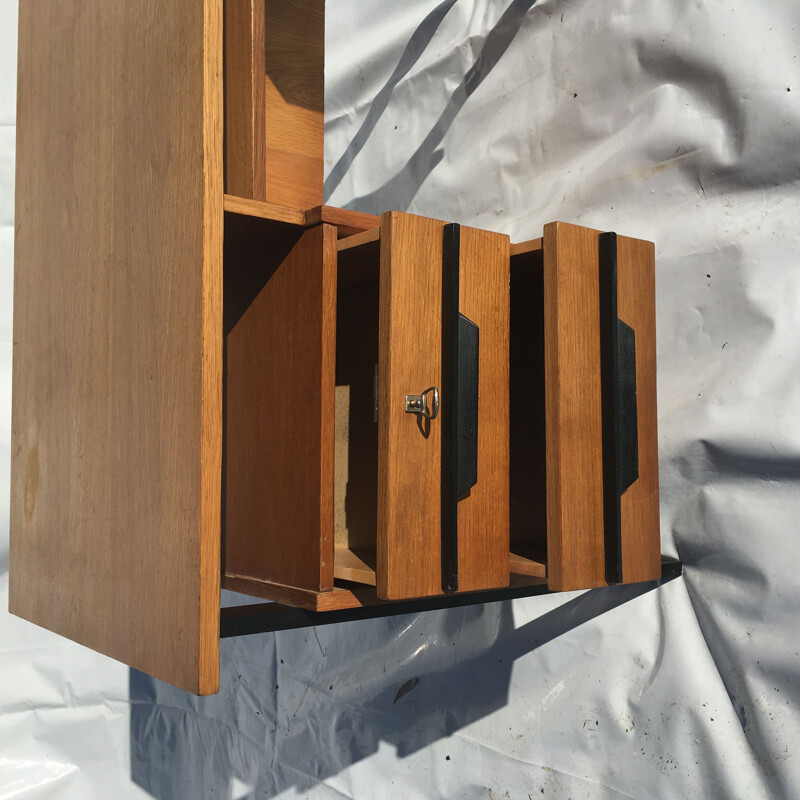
636,289
575,541
295,102
116,422
409,361
279,422
245,100
483,516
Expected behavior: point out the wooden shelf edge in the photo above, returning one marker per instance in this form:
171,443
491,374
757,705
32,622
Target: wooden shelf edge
357,566
531,246
348,223
263,210
291,595
359,239
521,565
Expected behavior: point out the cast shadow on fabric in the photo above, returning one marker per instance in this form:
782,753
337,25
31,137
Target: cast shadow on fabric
453,668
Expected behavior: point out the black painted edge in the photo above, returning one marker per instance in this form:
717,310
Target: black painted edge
273,617
609,371
451,259
465,464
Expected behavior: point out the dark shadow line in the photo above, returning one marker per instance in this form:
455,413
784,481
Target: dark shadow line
419,40
401,189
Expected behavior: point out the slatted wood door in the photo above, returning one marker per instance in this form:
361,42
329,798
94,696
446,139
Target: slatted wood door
590,541
117,412
411,558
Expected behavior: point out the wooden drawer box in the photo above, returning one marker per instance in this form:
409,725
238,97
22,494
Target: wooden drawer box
584,444
327,475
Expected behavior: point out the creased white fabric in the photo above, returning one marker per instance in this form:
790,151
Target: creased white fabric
669,120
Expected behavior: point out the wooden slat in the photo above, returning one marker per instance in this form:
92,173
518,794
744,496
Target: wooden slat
636,286
257,208
575,541
292,595
522,565
531,246
348,222
355,565
358,239
116,423
483,516
245,99
295,101
409,361
280,372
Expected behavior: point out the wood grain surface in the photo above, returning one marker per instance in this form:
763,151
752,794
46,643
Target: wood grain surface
355,565
575,541
279,417
522,565
530,246
257,208
245,99
347,222
636,306
483,516
116,422
409,361
292,595
295,101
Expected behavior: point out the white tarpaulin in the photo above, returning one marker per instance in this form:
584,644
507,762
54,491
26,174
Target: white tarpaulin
667,120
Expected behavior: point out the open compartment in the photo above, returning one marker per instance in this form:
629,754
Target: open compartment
328,475
274,75
584,463
355,478
527,480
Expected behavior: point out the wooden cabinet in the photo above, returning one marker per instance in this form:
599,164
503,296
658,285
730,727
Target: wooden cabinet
214,388
327,474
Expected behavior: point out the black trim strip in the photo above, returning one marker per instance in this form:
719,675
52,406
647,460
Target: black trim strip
618,387
272,617
451,259
610,403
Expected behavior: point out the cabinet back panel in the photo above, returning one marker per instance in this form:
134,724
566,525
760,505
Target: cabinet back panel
116,422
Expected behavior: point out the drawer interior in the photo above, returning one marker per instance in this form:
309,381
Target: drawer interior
528,493
356,425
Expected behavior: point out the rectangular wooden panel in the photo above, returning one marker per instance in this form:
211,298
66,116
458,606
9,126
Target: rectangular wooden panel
116,421
483,516
279,420
245,100
409,452
295,102
636,290
575,533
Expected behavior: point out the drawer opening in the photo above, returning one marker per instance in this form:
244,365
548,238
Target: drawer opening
356,428
528,498
274,74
